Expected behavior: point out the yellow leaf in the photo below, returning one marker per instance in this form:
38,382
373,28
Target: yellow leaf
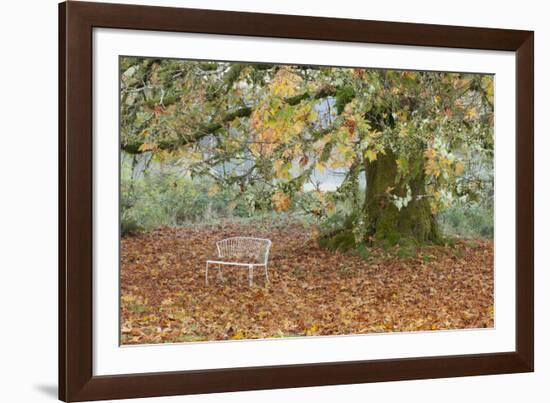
147,147
374,134
459,167
312,330
238,335
298,126
167,301
214,189
445,162
320,166
430,153
281,201
278,164
286,154
312,117
371,155
411,75
402,116
285,83
342,148
196,156
128,298
282,169
431,169
336,163
471,113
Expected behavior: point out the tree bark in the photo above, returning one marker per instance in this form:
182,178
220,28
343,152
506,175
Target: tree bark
384,223
387,224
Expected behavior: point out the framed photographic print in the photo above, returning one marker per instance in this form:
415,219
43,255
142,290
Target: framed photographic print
253,201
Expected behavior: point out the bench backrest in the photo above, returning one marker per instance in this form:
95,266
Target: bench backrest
245,249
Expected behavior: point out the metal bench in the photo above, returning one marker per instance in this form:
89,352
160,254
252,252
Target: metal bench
241,251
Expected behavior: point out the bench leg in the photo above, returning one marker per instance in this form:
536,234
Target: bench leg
266,276
206,274
220,274
250,275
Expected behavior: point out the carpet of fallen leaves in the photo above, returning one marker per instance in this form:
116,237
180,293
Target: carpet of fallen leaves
311,291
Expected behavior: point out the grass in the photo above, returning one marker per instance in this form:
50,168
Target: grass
363,251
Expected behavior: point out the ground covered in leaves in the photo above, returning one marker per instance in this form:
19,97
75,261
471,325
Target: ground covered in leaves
311,291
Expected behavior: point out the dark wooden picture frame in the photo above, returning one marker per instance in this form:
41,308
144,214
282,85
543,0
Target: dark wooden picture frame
76,23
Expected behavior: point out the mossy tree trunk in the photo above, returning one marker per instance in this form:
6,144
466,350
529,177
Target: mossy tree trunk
388,224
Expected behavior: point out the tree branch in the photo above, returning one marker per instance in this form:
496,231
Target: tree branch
212,127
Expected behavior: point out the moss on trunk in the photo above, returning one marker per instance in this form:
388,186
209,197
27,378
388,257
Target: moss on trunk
387,225
414,222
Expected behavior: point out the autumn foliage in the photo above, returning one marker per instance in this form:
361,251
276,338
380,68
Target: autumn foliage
363,179
416,136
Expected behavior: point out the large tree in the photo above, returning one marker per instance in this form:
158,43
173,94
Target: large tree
408,135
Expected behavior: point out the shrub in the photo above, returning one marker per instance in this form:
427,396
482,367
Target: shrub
129,225
170,198
470,221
